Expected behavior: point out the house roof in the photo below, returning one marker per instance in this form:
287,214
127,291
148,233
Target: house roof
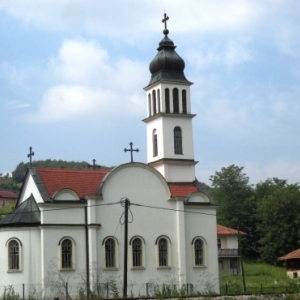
182,189
292,255
83,182
27,213
87,182
8,194
223,230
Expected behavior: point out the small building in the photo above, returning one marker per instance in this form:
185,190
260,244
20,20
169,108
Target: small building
228,250
292,263
7,198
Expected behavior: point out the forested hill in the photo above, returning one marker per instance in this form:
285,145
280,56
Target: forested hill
14,183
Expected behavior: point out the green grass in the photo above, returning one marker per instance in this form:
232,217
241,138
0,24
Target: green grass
259,277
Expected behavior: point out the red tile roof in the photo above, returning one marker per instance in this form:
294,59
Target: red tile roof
87,182
83,182
182,189
8,194
223,230
292,255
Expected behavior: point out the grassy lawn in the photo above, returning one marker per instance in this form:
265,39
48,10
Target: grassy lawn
259,277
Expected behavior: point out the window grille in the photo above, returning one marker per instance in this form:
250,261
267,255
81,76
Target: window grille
177,140
198,252
66,254
163,252
137,253
14,255
110,253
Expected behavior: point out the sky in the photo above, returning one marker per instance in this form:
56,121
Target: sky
72,74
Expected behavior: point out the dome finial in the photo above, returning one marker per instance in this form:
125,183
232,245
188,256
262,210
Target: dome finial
164,20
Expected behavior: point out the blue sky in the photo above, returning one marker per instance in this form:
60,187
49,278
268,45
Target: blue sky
72,74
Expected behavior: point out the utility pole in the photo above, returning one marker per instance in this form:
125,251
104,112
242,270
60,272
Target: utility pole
242,264
127,203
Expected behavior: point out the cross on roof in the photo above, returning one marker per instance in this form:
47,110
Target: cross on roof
30,155
131,150
94,166
164,20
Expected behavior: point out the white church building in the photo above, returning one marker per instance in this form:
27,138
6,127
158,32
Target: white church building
67,230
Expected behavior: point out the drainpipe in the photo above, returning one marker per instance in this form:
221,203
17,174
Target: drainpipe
87,253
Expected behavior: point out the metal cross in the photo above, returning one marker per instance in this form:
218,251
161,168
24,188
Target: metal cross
30,155
94,166
131,150
164,20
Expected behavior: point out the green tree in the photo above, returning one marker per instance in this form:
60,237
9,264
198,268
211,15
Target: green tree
278,218
4,210
235,197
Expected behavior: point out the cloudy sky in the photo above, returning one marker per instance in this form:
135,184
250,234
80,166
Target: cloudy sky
72,74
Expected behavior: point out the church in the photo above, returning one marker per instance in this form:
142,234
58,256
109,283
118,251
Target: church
67,231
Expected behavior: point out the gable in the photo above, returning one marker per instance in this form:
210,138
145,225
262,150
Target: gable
83,182
137,182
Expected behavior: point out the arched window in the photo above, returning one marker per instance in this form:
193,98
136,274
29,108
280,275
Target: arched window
149,104
137,253
175,101
167,100
110,253
184,108
177,140
14,255
158,100
163,252
154,101
67,253
137,246
198,248
155,146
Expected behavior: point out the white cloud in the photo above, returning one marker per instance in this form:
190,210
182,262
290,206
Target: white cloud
17,104
90,82
229,54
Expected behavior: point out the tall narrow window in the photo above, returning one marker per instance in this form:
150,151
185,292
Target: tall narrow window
136,252
110,253
184,109
162,252
175,101
155,146
66,254
14,255
167,100
154,101
149,105
198,252
158,101
177,140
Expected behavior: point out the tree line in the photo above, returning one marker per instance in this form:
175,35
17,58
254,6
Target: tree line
269,212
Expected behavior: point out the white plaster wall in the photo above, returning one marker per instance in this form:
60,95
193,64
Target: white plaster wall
165,137
30,188
170,86
232,242
203,225
144,187
62,214
180,173
50,256
31,255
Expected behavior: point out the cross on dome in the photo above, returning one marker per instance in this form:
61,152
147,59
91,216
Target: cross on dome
164,20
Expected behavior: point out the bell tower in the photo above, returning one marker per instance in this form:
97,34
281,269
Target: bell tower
170,147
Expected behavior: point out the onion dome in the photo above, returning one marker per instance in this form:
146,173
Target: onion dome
167,65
